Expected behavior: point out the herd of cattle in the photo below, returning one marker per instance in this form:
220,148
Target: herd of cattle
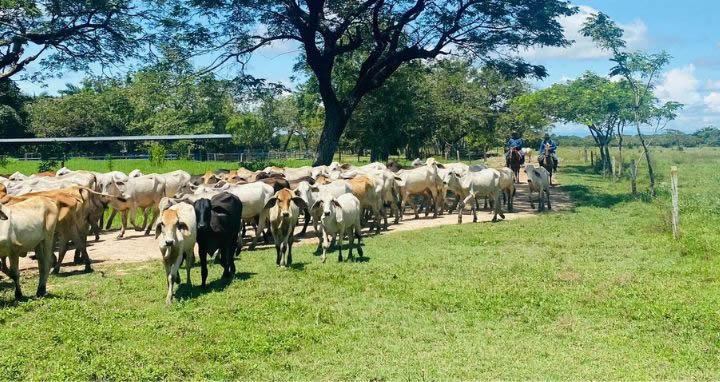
48,210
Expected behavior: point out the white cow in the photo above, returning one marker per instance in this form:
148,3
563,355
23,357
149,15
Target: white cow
176,234
474,185
142,192
312,193
538,181
253,196
507,185
135,173
339,216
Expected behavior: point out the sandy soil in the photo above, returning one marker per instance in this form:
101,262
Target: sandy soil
136,247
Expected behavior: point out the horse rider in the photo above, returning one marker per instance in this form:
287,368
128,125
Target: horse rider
553,147
514,143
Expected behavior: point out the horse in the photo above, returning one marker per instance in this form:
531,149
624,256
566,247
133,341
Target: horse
514,163
547,161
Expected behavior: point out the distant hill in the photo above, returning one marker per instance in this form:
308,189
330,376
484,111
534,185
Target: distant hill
709,136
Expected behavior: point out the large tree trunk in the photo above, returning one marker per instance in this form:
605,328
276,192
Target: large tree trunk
335,123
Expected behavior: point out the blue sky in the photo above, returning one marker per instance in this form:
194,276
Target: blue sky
688,30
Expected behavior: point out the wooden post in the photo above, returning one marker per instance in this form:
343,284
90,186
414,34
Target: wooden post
675,206
633,176
592,158
585,155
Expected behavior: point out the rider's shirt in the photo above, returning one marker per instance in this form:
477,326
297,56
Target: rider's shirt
553,146
515,143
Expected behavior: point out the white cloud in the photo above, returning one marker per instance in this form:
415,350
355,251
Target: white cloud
680,85
712,85
583,48
712,101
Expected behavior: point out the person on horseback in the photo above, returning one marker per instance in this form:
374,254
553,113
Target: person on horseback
514,143
553,147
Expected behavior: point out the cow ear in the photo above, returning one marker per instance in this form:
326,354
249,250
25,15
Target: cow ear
183,228
3,216
335,202
300,202
316,205
271,203
158,228
296,192
315,189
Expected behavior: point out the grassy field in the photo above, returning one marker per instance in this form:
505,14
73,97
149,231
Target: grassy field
601,292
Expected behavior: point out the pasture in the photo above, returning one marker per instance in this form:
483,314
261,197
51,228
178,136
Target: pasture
598,292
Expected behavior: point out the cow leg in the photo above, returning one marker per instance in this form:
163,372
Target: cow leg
62,249
169,275
359,241
258,231
340,240
202,253
547,194
289,250
189,260
351,241
325,239
278,255
123,223
44,253
155,214
14,273
532,205
306,221
110,219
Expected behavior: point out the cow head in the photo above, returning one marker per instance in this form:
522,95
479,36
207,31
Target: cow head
327,204
210,178
305,191
118,188
170,230
203,212
283,200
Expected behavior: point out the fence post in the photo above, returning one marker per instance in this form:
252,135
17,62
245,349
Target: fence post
633,176
592,158
585,155
675,206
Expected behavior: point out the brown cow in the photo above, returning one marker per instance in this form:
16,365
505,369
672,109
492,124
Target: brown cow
28,226
284,208
78,208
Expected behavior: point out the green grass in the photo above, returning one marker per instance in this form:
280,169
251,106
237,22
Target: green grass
193,167
600,292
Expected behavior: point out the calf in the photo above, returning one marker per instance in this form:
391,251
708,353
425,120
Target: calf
176,233
142,192
218,227
283,211
340,215
28,226
538,181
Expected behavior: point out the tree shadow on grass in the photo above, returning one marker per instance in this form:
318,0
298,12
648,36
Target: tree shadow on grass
217,285
584,196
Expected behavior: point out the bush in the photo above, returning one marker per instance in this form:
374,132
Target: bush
157,154
109,162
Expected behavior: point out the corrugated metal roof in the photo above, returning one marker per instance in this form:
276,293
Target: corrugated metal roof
118,138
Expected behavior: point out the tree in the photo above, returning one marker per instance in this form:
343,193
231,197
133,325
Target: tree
590,100
386,33
637,68
12,110
69,34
